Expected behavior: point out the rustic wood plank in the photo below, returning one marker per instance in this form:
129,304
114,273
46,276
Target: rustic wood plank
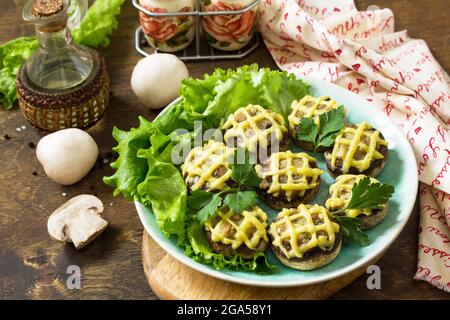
32,266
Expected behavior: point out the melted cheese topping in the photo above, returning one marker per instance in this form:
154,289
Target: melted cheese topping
341,193
254,126
298,230
289,172
357,147
233,229
207,167
310,107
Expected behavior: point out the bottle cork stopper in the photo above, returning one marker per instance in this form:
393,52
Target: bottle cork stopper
47,8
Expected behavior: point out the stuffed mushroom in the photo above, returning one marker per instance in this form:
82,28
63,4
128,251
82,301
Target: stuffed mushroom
288,179
207,168
243,234
308,107
358,149
306,237
260,131
340,195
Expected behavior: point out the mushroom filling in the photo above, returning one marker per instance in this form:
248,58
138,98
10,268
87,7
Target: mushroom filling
289,175
254,127
298,231
309,107
207,168
230,228
357,146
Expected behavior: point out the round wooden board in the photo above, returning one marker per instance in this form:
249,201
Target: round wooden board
171,280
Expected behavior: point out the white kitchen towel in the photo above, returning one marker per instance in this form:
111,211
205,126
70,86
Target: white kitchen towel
360,51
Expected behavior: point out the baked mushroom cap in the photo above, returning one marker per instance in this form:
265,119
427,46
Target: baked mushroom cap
305,237
308,107
207,168
340,195
288,179
256,129
358,149
243,234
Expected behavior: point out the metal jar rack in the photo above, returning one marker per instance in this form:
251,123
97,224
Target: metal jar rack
199,49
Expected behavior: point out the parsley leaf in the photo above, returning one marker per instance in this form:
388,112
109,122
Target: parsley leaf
244,173
365,195
322,135
351,230
241,200
369,195
307,130
205,203
331,124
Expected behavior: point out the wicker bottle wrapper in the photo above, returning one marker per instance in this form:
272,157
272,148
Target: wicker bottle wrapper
78,107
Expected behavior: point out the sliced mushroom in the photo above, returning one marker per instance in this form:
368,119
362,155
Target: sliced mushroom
77,221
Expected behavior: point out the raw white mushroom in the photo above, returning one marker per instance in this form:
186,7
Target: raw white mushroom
156,79
67,155
77,221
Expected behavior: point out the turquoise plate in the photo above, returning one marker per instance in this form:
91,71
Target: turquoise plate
400,171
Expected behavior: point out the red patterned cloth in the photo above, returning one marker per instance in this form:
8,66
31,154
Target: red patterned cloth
359,50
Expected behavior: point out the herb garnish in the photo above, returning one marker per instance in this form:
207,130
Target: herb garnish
241,200
369,195
365,195
351,230
238,199
205,203
322,135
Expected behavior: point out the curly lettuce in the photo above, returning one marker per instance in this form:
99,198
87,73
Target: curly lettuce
216,96
145,171
99,22
130,170
12,56
165,191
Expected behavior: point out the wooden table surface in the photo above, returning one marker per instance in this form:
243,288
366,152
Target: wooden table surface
32,266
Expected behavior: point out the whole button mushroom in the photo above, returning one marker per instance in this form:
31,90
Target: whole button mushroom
77,221
156,79
67,155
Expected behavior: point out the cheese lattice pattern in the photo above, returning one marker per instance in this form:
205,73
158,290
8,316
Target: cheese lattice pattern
252,127
357,146
291,173
234,229
310,107
207,168
298,230
341,193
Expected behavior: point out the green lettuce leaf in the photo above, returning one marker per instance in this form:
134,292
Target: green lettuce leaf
130,169
12,56
171,120
280,89
236,92
213,98
164,189
197,248
99,22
